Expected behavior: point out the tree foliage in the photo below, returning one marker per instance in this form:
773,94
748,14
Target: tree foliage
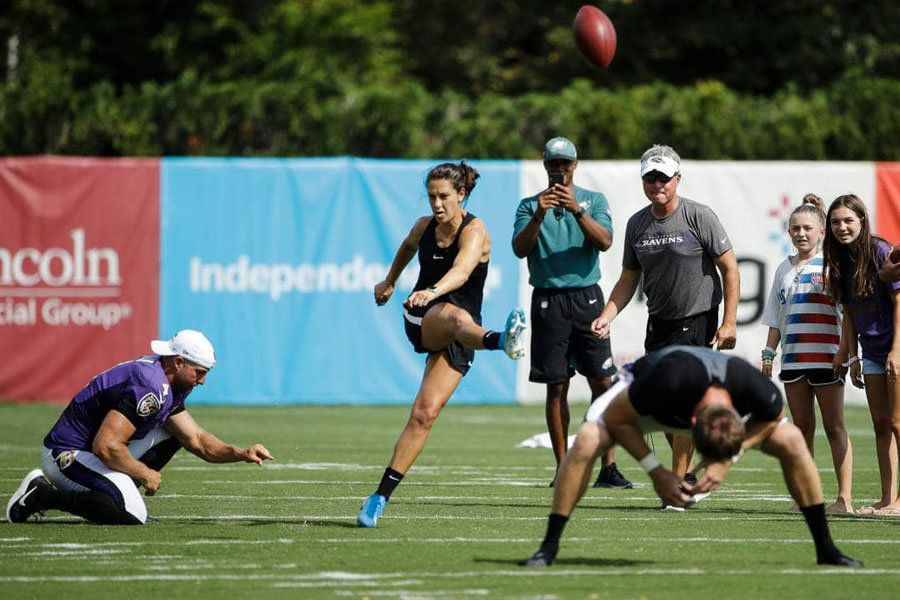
716,78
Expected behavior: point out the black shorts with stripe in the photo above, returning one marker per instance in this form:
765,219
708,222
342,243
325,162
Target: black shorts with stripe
561,339
814,377
459,357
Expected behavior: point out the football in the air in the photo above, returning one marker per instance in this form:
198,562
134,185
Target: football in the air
594,35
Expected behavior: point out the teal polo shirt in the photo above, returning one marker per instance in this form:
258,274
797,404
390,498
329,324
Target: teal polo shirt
562,257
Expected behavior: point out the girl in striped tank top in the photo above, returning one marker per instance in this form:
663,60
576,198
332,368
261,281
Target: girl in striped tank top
803,316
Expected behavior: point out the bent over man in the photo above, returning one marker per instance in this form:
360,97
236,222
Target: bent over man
728,406
119,431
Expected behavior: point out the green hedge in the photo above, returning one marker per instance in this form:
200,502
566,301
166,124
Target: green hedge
853,119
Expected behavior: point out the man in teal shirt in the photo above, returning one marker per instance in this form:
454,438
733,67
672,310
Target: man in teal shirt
560,231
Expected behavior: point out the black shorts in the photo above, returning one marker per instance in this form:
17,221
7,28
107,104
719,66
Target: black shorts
561,338
813,377
459,357
697,330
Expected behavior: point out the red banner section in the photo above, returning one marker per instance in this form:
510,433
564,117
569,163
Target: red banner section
79,276
887,195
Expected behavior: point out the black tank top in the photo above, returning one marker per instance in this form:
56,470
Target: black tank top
434,262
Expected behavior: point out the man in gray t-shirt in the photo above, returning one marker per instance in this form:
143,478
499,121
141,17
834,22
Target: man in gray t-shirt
676,255
677,245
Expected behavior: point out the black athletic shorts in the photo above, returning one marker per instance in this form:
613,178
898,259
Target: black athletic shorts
813,377
561,338
690,331
459,357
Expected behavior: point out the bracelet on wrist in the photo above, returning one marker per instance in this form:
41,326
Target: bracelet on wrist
768,353
850,361
580,213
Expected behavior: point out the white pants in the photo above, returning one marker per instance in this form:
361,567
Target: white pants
82,471
646,424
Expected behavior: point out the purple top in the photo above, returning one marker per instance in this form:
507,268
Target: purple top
139,389
873,316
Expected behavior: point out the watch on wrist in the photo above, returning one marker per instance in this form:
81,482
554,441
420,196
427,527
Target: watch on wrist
433,289
580,213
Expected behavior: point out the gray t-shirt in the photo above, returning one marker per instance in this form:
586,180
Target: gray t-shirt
675,255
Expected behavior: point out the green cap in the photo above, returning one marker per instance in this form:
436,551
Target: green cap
560,147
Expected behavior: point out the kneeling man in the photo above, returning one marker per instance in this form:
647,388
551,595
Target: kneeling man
119,431
727,404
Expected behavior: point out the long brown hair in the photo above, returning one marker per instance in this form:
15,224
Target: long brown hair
861,250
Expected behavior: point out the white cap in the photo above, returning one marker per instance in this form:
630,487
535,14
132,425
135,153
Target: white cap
189,344
665,165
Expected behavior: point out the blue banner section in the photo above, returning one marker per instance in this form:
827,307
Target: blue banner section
276,259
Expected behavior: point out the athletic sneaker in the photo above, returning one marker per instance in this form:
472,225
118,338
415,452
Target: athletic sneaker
23,503
611,477
544,557
513,342
840,560
371,510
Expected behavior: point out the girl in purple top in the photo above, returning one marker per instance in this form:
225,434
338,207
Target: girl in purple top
853,257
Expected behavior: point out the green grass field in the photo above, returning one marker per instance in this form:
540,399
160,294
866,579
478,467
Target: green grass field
471,507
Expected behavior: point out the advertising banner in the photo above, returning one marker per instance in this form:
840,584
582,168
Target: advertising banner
888,201
276,260
79,252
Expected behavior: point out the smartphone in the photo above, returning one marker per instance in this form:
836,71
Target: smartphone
556,178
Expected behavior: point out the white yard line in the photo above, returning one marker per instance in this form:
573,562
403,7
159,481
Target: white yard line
331,579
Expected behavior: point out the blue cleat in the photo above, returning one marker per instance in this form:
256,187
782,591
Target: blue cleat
371,510
513,336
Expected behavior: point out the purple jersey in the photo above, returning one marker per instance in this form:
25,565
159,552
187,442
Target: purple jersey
873,315
139,389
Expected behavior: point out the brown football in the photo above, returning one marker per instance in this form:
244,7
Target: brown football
594,35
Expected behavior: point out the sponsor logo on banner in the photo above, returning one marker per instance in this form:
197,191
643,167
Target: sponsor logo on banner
778,223
73,285
277,279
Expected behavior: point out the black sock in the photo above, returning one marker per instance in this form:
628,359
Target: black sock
491,340
555,525
818,527
159,455
94,506
389,482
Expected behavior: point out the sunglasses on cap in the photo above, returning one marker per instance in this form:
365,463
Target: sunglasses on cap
654,176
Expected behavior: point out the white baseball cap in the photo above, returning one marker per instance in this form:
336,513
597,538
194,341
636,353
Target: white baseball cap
665,165
189,344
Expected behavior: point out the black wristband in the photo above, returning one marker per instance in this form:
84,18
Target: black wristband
580,213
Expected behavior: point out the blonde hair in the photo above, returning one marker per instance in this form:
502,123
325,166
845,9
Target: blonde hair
811,205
